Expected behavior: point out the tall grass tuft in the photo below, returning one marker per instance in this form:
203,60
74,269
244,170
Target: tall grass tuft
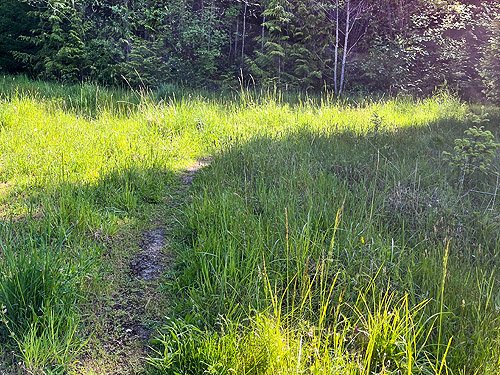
39,290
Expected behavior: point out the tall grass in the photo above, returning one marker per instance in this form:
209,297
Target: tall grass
39,288
273,202
314,242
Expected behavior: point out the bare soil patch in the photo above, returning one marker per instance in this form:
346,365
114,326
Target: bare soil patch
149,263
191,171
127,318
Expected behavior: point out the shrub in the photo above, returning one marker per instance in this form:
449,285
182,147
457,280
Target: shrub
473,153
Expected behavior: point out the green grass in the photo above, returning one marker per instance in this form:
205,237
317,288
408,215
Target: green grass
324,237
39,289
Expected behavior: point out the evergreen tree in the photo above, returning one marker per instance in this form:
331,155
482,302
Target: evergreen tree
272,58
312,43
60,39
16,20
386,45
142,65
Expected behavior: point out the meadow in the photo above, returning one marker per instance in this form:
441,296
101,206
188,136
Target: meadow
324,235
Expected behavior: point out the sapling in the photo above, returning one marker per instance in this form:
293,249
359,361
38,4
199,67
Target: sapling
472,153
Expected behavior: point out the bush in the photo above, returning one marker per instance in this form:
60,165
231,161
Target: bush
473,153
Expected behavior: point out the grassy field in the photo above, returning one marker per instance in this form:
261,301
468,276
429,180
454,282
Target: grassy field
324,236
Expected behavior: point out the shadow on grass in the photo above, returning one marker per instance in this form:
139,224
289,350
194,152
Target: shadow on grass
49,256
281,208
270,215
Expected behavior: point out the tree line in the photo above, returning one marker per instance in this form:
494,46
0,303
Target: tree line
363,45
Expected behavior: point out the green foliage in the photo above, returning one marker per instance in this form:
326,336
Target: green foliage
389,335
473,153
311,52
387,67
182,348
376,122
60,38
15,20
405,46
272,49
143,66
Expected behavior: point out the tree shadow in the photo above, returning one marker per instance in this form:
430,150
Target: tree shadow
283,206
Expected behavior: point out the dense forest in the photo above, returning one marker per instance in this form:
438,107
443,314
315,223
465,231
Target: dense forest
391,46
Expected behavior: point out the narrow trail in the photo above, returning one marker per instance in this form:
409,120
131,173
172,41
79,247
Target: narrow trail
127,317
192,170
148,264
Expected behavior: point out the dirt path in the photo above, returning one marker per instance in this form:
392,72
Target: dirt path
193,169
127,319
149,263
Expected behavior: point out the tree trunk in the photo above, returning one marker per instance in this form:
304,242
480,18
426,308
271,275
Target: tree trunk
230,43
336,47
126,26
346,41
244,31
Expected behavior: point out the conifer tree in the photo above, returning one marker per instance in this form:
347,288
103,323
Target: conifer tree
16,20
269,64
60,38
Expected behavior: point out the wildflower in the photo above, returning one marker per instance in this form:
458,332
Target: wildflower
362,240
4,309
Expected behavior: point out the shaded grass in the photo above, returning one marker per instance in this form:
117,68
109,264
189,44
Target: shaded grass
274,203
40,284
